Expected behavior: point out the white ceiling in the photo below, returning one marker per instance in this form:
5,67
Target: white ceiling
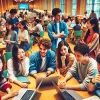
23,0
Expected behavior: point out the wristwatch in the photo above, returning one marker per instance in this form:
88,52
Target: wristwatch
91,81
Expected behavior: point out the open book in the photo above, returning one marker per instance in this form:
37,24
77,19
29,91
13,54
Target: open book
23,79
92,98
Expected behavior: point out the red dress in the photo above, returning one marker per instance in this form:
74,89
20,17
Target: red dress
4,85
89,40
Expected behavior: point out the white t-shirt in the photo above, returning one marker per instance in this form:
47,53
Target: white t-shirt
45,18
38,28
12,74
23,35
9,36
58,31
43,65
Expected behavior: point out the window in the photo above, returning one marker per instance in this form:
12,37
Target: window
52,4
62,6
93,5
89,6
97,8
74,6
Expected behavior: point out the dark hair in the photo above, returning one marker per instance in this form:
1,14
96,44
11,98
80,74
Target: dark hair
45,42
84,19
82,48
26,13
1,72
92,11
62,43
98,58
37,20
69,17
15,58
13,11
10,23
2,59
85,12
76,19
24,24
55,11
34,18
65,20
1,76
77,22
94,22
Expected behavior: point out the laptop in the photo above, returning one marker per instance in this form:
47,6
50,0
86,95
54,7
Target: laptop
67,94
26,94
47,80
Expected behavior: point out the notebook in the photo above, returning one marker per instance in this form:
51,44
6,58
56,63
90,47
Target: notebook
23,79
92,98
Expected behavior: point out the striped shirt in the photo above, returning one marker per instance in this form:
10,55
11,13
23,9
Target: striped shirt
85,72
93,43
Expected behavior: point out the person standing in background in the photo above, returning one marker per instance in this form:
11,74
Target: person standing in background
57,29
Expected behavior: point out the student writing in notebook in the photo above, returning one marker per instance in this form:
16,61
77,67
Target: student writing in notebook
42,60
65,58
4,85
18,65
84,67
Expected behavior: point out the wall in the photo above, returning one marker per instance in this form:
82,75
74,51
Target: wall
40,4
31,4
49,5
5,5
68,7
57,3
81,5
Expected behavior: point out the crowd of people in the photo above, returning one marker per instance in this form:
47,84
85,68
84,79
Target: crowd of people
54,54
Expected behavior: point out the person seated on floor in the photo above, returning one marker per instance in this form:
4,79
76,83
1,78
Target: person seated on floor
83,67
65,58
18,65
42,60
94,85
4,85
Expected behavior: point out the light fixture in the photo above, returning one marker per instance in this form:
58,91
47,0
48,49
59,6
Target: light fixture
23,0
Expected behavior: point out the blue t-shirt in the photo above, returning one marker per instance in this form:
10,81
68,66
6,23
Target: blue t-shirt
14,21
